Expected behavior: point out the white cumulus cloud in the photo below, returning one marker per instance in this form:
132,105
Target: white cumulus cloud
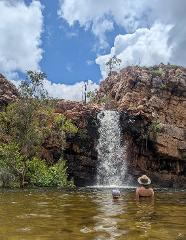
155,29
100,15
20,36
125,13
144,47
65,91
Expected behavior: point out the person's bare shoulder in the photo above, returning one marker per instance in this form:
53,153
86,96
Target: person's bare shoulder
137,190
137,193
152,191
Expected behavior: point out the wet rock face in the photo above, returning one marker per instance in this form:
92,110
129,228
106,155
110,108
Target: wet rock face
80,151
8,91
152,102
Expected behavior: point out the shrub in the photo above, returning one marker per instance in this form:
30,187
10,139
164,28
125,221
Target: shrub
112,63
7,179
39,174
92,96
68,127
12,164
163,86
155,128
157,72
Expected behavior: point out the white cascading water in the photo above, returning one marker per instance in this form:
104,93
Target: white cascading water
112,166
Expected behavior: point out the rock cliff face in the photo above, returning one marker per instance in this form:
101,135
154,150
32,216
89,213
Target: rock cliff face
8,91
152,106
80,151
152,102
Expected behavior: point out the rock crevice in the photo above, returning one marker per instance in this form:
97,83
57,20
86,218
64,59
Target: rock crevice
152,103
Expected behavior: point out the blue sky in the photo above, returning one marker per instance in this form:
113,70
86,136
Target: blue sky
70,51
66,49
71,40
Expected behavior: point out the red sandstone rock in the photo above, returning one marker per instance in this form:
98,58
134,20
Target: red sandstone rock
152,96
156,93
8,91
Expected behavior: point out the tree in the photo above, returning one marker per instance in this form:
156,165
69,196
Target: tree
91,95
27,123
26,120
112,63
32,86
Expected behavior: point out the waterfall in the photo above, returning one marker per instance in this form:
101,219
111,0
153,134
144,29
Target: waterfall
111,170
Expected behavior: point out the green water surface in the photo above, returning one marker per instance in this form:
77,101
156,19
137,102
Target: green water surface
91,214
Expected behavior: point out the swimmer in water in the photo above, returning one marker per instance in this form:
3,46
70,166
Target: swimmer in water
116,193
144,190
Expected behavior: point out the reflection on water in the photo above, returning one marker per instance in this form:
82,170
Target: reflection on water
91,214
107,218
144,216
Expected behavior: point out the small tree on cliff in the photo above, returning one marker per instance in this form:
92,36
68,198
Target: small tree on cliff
112,63
27,124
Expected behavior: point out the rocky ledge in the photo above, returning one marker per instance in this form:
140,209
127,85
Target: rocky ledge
152,103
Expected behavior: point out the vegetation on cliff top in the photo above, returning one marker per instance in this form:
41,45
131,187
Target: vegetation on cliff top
25,125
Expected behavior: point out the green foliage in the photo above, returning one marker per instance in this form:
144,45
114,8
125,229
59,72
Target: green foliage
92,96
10,157
157,72
59,175
43,176
64,124
32,86
7,179
26,124
112,63
15,169
163,86
154,129
26,121
106,99
12,162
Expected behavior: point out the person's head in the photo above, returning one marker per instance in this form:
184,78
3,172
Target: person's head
116,193
144,181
